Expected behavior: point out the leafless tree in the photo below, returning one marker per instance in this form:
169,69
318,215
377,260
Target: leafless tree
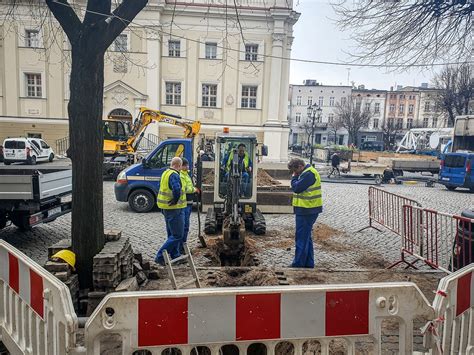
413,32
390,131
456,84
352,117
334,126
306,126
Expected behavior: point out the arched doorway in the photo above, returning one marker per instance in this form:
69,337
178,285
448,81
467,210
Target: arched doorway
120,114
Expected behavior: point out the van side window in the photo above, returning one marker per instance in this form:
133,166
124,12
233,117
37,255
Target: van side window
44,145
162,157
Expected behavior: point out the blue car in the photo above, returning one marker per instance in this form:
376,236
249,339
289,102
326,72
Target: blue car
456,171
139,184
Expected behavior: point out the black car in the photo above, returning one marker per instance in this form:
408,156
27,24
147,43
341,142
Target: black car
1,153
372,145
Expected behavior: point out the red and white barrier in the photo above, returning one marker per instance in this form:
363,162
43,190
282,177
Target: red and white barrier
241,316
452,331
443,241
386,209
36,311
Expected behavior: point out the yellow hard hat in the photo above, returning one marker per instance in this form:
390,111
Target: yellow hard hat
67,256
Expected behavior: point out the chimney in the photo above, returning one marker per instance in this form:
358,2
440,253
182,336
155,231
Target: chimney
399,87
424,85
391,88
361,87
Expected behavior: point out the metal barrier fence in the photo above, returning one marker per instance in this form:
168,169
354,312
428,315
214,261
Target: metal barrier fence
443,241
236,320
36,312
386,209
62,145
452,331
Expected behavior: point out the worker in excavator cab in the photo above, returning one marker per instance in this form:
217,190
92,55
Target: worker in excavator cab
307,205
245,167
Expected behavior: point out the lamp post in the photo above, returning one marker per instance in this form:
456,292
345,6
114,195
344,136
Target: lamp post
313,112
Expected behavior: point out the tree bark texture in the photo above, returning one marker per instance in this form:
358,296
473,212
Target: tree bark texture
86,141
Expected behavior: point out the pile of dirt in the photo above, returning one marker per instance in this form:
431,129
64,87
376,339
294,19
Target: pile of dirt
234,277
216,248
263,178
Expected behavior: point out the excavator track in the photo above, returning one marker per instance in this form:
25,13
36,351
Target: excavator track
210,225
259,224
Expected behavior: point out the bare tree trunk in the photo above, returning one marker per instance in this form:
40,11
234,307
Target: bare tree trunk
86,137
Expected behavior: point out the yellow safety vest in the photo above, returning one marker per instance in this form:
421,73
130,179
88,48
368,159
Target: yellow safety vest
165,195
187,184
246,161
311,197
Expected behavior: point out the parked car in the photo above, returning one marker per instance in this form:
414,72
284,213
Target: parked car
372,145
26,150
1,153
456,171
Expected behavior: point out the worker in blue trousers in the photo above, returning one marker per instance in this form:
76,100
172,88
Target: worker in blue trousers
307,205
172,202
190,191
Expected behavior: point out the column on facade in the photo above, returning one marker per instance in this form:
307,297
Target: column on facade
275,129
153,77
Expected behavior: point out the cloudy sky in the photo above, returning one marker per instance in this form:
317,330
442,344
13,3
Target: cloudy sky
318,38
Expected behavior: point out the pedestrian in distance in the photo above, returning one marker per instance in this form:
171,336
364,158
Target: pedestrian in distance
172,202
335,163
190,191
307,205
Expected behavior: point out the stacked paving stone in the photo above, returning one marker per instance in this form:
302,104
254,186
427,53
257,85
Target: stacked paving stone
63,271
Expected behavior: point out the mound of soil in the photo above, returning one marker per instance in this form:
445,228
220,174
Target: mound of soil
234,277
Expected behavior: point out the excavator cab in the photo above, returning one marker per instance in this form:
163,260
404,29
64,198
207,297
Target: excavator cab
116,130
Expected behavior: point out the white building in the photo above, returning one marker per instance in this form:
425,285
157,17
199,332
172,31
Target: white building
372,100
197,65
326,97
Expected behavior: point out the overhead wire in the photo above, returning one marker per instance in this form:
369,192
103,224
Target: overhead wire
299,60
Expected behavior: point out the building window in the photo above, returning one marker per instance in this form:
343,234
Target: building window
392,96
400,123
331,118
209,95
376,123
427,106
33,85
409,123
174,48
401,108
249,97
392,108
211,50
298,117
121,43
410,109
32,38
251,52
310,100
331,101
377,107
173,93
402,97
425,122
435,122
321,101
367,106
298,100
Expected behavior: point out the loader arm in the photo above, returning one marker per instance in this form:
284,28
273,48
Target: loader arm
147,116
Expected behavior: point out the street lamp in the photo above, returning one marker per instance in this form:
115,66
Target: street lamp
313,112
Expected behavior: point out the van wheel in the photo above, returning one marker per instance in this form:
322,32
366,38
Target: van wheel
20,220
6,162
31,160
51,157
451,188
141,201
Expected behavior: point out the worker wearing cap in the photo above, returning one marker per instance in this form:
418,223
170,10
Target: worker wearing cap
190,190
172,202
307,205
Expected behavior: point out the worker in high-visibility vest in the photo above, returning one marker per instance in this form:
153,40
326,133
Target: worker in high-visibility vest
172,202
190,191
245,167
307,205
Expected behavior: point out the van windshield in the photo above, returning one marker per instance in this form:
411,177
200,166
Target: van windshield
455,161
14,145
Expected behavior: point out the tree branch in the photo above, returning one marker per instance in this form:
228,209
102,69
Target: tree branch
122,16
67,18
96,10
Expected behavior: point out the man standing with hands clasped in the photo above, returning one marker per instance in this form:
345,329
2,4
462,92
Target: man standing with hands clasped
172,202
307,205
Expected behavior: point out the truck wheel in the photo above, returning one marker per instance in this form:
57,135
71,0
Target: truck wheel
20,220
451,188
6,162
51,157
141,201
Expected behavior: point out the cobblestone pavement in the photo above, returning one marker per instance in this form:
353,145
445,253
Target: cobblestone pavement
345,208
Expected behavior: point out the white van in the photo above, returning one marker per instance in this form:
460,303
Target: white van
26,150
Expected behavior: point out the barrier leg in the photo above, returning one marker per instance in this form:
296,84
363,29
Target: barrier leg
369,226
404,261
